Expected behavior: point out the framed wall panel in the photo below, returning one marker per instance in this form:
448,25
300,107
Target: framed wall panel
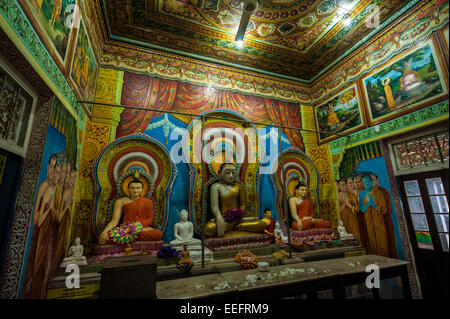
342,113
413,80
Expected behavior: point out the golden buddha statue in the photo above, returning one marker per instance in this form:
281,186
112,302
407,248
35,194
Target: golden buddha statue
228,194
269,222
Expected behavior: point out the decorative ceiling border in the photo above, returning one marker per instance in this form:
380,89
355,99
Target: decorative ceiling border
169,66
14,19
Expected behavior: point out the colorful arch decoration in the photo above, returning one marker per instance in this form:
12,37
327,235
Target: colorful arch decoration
118,161
298,167
229,138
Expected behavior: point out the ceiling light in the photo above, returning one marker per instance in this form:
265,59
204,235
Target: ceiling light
239,43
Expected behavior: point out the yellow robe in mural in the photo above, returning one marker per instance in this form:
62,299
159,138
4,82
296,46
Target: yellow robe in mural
377,237
350,216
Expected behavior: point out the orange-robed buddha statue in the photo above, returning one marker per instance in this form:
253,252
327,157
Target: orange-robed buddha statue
228,194
134,208
302,212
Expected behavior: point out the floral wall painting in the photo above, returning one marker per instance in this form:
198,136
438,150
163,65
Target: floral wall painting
340,114
51,16
411,81
84,66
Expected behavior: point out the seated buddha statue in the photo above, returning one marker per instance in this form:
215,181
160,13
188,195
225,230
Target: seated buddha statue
228,194
184,233
75,254
133,208
269,222
301,208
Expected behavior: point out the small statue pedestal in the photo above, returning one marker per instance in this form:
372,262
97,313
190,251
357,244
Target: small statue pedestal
195,250
237,240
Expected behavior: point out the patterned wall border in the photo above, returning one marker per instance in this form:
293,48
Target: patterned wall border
21,221
15,23
127,57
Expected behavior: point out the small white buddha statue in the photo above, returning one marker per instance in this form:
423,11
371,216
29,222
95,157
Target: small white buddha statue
75,254
343,234
279,232
184,233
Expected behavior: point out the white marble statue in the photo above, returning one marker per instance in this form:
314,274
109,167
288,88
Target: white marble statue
75,254
184,233
343,234
279,232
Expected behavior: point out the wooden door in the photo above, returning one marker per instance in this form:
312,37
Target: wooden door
425,201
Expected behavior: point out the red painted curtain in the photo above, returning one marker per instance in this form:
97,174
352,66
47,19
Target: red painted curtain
154,93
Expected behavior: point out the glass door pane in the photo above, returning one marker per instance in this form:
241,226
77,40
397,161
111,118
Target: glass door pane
416,205
412,188
442,222
420,222
444,241
439,204
435,186
424,240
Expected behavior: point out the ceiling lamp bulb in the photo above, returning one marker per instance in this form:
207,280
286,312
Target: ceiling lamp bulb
239,43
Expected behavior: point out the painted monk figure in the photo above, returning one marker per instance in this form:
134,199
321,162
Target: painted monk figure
302,212
43,200
372,204
41,250
388,224
133,208
65,214
349,209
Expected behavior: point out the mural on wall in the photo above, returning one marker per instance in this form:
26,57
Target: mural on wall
341,114
53,204
51,16
366,202
84,66
406,83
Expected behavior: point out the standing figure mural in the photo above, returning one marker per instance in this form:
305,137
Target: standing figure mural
373,206
364,186
53,204
349,207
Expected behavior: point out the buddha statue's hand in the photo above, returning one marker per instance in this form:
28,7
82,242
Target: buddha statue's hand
221,225
103,238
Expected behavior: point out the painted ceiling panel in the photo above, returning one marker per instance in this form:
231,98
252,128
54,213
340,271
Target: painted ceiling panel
293,39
